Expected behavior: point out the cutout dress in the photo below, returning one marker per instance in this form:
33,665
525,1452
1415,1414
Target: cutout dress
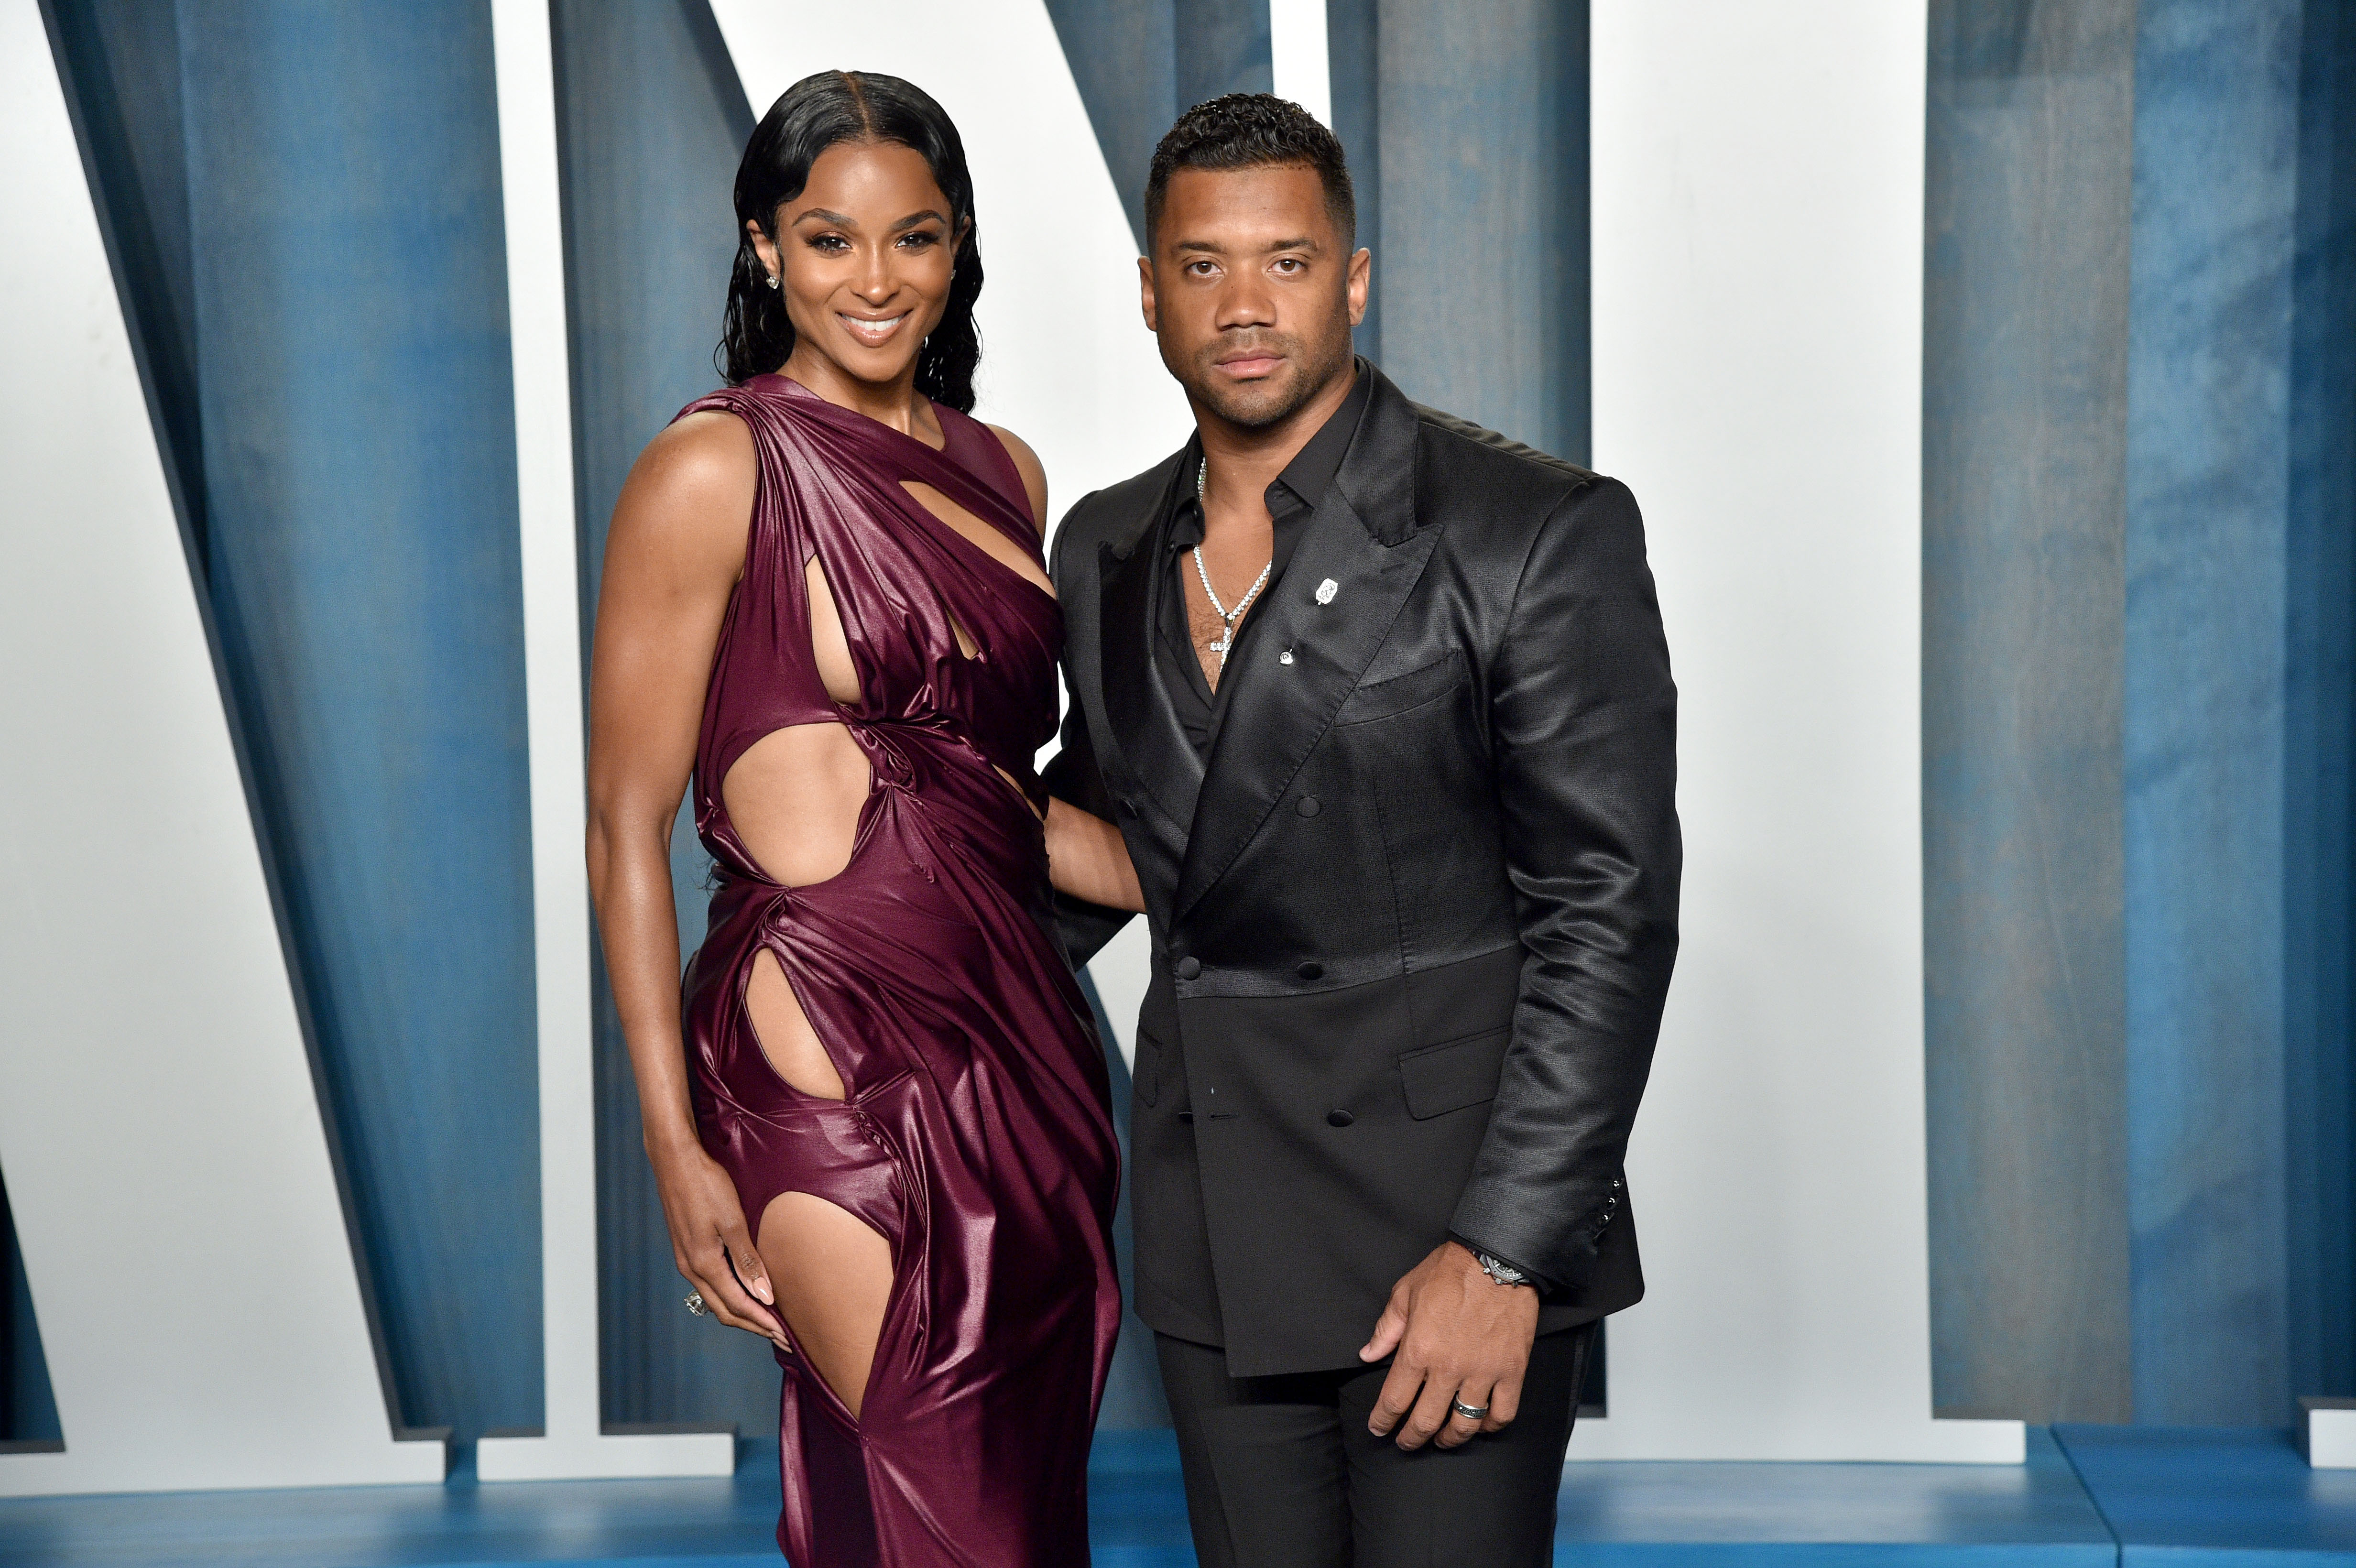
975,1135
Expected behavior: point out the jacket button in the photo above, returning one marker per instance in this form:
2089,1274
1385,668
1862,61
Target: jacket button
1307,805
1311,970
1189,966
1339,1118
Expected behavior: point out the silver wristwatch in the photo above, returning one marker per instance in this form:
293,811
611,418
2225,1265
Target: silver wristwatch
1499,1270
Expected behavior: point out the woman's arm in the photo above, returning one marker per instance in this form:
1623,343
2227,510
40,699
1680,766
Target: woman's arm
1086,857
671,560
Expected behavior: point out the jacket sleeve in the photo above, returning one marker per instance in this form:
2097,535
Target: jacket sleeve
1072,776
1583,728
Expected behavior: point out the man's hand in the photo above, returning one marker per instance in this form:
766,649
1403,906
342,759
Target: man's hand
1459,1335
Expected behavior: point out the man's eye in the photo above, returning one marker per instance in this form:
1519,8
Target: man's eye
1201,269
1288,265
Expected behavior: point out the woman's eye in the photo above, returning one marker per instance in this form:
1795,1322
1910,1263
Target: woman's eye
831,244
919,240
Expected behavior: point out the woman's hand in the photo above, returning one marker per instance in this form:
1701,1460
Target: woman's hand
708,1235
1088,858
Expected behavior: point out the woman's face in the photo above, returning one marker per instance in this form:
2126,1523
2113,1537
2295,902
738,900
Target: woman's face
863,256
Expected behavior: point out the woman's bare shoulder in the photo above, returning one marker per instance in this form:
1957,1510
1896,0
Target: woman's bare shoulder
1035,475
691,492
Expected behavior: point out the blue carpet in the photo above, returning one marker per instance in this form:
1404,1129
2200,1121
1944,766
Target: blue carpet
2218,1498
2088,1496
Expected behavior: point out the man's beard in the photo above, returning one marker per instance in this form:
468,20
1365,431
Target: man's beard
1253,405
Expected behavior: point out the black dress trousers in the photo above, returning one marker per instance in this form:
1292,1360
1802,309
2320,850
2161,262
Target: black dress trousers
1282,1472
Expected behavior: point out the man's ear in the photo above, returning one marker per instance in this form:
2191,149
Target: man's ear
1145,292
1362,277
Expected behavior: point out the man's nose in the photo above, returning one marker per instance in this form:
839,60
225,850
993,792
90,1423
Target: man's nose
1247,302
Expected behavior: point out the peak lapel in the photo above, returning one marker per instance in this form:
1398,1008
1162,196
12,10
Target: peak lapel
1363,540
1137,707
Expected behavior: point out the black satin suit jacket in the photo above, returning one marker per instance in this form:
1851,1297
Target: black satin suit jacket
1414,921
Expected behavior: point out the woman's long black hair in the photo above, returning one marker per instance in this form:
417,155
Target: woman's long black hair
813,114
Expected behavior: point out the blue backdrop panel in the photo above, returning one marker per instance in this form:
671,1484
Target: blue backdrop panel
347,269
1354,77
2024,458
2208,461
652,120
28,1411
2319,812
302,209
1483,253
1138,62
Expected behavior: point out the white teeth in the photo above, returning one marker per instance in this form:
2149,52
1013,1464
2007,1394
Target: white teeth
866,328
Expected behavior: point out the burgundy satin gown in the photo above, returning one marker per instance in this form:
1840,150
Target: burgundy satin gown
975,1137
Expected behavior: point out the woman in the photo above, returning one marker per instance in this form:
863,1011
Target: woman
879,1121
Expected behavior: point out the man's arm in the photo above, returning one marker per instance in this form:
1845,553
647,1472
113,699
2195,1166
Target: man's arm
1583,717
1584,721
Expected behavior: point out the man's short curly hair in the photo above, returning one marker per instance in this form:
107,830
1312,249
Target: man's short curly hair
1246,131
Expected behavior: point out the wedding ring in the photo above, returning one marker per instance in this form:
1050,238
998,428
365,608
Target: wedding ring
695,1304
1469,1412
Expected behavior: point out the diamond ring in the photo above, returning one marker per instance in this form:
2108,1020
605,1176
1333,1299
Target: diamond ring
1469,1412
695,1304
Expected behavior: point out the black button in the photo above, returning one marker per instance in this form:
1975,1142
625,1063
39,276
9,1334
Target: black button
1307,805
1339,1118
1128,806
1311,970
1189,966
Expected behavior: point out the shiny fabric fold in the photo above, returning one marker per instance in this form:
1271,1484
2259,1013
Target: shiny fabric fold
975,1135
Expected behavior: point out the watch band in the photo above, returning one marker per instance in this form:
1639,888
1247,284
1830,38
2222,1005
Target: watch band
1499,1270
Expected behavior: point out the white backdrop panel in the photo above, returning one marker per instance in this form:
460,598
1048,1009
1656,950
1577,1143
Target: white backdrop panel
166,1159
1758,264
1067,361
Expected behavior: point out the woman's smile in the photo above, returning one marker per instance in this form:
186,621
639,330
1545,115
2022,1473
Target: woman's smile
873,331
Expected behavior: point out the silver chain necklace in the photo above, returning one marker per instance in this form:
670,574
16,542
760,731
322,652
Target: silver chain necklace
1227,618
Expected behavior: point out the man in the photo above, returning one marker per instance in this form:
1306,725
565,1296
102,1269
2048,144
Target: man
1380,703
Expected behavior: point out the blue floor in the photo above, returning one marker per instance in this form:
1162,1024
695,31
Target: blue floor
2089,1495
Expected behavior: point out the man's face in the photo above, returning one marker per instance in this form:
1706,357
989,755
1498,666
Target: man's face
1249,291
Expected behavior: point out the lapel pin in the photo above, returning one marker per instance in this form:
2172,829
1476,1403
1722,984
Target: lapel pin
1327,589
1284,657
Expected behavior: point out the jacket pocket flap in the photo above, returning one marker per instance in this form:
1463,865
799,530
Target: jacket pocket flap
1401,692
1454,1073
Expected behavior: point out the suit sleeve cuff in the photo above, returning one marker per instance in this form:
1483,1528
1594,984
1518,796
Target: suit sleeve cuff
1543,1284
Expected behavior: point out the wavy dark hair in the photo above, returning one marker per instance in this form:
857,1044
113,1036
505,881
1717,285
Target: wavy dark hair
813,114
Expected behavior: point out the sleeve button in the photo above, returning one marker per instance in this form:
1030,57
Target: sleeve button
1339,1118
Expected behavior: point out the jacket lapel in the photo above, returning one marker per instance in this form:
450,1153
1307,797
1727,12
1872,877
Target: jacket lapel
1137,705
1363,540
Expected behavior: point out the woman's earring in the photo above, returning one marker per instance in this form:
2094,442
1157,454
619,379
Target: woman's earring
773,279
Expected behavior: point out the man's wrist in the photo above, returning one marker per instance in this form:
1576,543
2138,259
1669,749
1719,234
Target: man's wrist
1501,1271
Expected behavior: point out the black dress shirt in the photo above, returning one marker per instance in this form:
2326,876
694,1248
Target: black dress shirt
1292,498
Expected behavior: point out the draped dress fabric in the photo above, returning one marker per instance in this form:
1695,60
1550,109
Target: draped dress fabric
976,1136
